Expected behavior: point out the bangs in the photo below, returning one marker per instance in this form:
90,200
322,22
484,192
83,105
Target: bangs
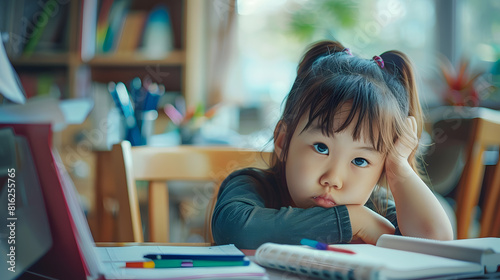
338,101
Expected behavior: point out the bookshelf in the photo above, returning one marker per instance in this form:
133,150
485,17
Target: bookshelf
174,69
175,58
75,65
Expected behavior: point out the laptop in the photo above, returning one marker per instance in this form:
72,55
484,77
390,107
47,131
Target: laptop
72,254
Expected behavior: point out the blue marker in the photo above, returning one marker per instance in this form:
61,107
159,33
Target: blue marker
323,246
313,243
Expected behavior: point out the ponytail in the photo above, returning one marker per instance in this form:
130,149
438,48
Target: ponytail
316,51
399,65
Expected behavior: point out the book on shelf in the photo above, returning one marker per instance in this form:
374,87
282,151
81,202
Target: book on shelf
87,29
121,29
16,24
133,28
34,27
117,15
157,40
110,24
45,84
102,23
48,29
394,257
54,38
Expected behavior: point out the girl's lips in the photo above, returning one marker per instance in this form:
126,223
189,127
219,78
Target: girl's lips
324,201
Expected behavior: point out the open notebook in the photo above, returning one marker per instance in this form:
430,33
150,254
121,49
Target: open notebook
394,257
73,254
112,262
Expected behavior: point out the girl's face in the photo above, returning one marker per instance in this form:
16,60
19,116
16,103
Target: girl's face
328,171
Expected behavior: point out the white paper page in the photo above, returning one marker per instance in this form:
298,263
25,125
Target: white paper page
491,247
485,251
9,86
112,262
47,110
368,262
75,111
487,243
398,264
36,110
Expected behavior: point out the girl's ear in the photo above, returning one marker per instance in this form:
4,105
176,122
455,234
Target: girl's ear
279,139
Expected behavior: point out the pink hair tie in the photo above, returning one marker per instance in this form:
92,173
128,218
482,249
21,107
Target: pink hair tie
379,61
347,51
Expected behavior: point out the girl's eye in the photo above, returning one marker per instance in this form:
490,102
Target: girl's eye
321,148
361,162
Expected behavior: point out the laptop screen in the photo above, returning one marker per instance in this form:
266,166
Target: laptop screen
70,255
25,233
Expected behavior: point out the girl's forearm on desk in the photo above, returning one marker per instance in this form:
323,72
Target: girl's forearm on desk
249,226
368,225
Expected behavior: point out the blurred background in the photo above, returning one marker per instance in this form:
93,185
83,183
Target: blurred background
215,72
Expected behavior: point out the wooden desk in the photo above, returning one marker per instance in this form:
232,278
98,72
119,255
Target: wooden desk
124,244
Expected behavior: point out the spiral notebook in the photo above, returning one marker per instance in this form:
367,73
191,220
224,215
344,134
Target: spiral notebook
480,258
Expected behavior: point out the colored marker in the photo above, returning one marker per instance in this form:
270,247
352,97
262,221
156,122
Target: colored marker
185,263
155,264
323,246
153,257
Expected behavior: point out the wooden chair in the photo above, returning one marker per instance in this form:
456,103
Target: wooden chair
160,165
485,132
478,129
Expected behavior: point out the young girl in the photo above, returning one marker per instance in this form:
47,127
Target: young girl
343,161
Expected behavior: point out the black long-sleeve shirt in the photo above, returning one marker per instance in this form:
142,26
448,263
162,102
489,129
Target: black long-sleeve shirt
250,211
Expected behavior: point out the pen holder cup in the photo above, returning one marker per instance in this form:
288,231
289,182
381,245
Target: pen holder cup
146,121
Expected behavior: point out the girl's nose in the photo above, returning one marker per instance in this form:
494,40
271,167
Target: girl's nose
332,179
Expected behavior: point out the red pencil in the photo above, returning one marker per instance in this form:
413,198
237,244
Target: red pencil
340,250
323,246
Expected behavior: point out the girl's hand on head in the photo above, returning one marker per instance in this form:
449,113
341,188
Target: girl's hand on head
367,226
397,162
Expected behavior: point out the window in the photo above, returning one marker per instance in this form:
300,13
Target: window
479,40
272,36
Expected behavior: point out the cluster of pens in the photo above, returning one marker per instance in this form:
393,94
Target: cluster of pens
181,260
188,120
137,103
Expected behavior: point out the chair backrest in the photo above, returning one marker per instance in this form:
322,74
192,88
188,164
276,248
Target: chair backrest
157,165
